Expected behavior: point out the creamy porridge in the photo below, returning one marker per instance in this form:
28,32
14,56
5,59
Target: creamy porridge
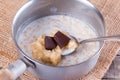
70,25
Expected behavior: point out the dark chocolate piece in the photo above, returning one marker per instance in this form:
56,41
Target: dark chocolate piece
61,39
50,43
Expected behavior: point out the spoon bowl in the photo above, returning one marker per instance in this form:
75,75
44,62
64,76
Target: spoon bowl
97,39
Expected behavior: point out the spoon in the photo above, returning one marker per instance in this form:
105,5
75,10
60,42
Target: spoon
98,39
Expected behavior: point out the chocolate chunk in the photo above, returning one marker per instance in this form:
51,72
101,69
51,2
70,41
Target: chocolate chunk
50,43
61,39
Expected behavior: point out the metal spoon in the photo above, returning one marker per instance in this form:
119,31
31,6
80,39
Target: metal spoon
98,39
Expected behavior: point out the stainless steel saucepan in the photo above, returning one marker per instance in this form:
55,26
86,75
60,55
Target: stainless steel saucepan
34,9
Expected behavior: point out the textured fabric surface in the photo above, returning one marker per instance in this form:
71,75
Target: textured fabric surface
110,10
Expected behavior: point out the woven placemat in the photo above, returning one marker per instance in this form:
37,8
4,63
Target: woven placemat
110,10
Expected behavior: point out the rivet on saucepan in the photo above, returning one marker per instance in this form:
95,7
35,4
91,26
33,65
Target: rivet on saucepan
53,10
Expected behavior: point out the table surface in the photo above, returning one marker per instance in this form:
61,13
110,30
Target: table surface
114,71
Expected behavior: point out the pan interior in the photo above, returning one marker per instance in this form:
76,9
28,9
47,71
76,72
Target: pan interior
31,30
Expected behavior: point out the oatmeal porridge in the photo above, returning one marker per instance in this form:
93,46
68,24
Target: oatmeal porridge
72,26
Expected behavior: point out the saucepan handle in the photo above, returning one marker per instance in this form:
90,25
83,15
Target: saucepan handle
13,71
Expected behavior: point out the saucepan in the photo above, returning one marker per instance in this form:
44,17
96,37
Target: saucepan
34,9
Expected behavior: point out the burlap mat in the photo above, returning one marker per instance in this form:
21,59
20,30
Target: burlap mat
109,8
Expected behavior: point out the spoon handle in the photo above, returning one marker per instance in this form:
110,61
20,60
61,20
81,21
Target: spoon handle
105,38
